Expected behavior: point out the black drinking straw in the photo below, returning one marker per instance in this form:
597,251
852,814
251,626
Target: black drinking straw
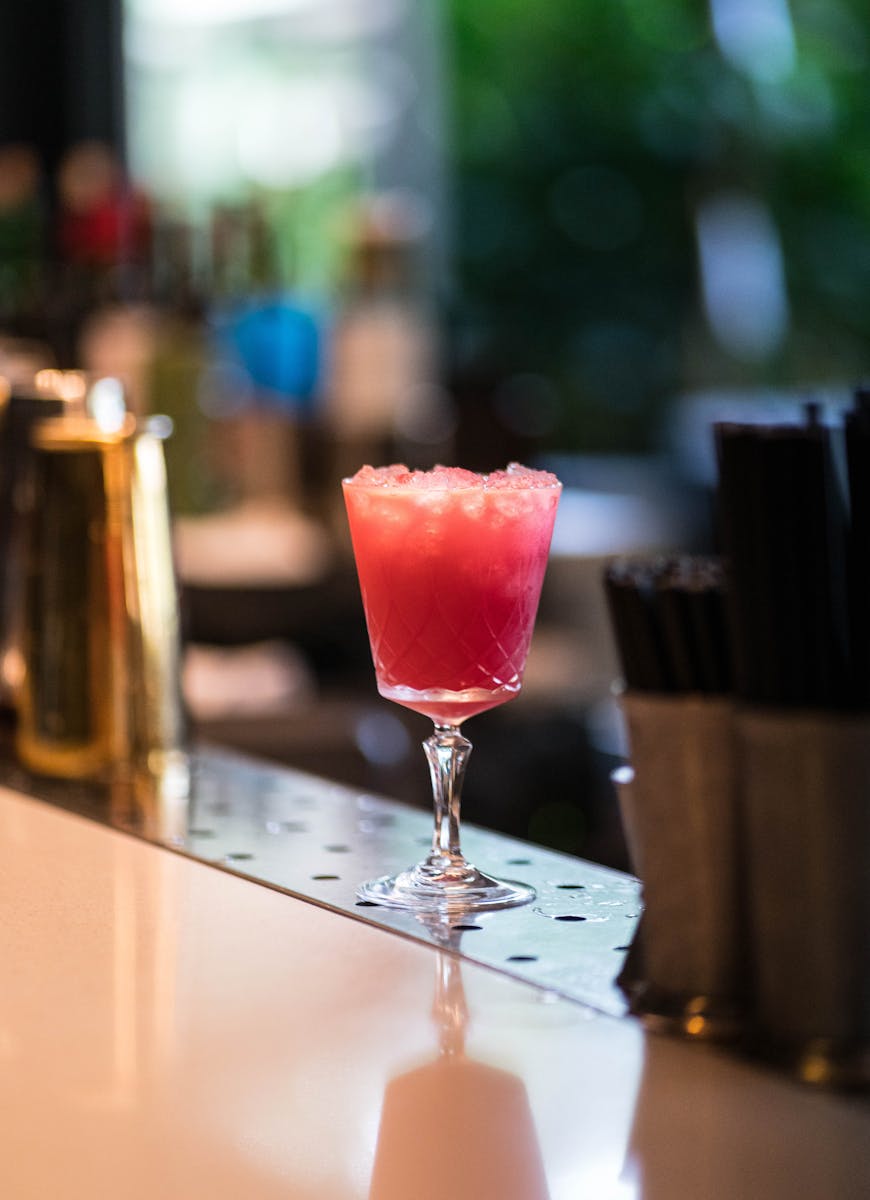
783,538
672,619
826,551
699,583
785,466
740,506
668,619
629,590
858,467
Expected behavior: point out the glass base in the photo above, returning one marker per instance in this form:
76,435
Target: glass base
446,707
419,891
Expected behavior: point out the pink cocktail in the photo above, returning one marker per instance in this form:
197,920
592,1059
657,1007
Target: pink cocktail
450,566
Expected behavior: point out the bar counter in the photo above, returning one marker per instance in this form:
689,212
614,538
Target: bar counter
170,1029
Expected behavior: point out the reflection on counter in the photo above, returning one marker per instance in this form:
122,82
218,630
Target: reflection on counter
272,1049
242,1043
698,1136
455,1125
155,803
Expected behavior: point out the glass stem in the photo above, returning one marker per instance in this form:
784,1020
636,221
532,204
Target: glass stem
450,1009
447,751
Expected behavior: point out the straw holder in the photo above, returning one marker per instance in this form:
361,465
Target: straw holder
804,781
680,816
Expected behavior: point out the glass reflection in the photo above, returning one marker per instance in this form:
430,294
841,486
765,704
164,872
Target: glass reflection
454,1126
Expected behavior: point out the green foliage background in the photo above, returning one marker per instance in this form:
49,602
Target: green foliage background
584,135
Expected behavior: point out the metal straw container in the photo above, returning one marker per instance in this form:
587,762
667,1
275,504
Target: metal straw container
807,846
680,811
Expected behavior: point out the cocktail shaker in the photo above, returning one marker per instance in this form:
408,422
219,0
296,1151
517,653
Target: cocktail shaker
100,694
23,403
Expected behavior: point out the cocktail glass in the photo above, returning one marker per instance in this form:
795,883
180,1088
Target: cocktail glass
450,566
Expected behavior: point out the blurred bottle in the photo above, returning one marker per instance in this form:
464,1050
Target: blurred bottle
167,358
104,222
265,375
103,243
382,394
22,235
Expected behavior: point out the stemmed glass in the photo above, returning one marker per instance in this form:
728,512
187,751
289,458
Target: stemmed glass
450,565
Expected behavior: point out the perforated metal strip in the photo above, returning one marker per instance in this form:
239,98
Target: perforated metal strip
318,840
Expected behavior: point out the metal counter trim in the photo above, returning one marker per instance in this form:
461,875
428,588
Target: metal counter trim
316,840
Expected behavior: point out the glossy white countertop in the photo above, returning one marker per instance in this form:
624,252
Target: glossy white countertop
168,1030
